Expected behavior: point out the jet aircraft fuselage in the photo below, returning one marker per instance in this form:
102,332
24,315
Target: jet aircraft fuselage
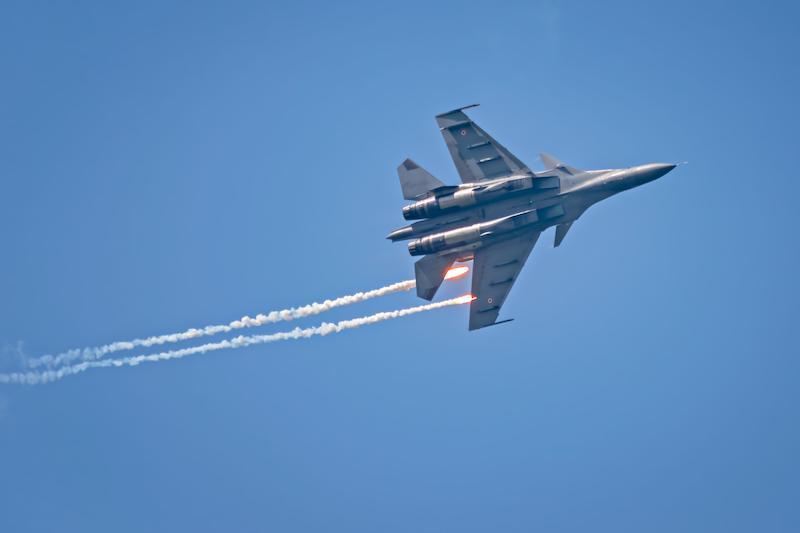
496,215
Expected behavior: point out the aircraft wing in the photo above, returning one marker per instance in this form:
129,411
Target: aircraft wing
476,154
494,272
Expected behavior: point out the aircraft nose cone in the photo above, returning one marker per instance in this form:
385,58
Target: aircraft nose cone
653,171
660,169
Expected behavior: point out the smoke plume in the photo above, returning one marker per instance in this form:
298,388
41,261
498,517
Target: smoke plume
326,328
93,353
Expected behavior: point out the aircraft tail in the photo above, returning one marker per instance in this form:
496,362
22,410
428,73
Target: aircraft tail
415,180
430,272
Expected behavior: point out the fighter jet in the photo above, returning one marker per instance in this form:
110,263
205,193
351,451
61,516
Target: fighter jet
496,215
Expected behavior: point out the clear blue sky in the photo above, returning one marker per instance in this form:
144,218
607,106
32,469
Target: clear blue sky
167,165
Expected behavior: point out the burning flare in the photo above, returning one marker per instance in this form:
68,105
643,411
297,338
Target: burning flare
456,272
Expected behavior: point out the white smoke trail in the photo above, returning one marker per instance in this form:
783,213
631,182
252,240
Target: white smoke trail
97,352
326,328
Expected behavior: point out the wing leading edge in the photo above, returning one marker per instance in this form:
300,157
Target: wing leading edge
476,154
494,272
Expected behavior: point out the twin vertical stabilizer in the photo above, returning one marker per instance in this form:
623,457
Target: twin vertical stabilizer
415,180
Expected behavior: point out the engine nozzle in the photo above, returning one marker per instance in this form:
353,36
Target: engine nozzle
427,245
422,209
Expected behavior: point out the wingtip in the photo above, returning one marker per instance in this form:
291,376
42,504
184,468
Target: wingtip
473,328
457,110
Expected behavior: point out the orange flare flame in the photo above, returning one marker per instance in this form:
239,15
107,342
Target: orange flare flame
467,298
456,273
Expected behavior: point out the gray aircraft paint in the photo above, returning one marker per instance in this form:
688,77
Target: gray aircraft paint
496,215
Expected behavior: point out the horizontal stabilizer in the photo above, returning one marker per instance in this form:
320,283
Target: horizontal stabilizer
430,272
415,180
